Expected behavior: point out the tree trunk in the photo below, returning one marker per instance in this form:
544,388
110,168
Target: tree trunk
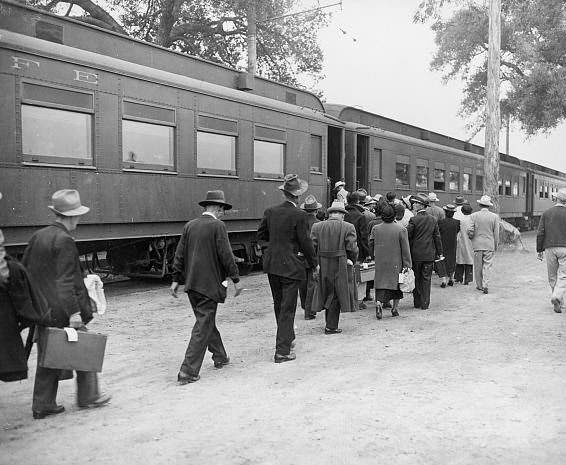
252,38
169,15
493,121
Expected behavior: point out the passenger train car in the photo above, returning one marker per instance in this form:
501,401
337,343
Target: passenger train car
143,132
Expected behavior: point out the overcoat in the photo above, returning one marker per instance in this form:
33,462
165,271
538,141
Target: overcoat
390,245
334,242
357,218
289,251
424,238
484,230
204,258
449,228
464,250
52,261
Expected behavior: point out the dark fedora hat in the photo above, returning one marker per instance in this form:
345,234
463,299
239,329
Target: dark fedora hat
215,198
449,208
293,185
459,200
419,198
311,203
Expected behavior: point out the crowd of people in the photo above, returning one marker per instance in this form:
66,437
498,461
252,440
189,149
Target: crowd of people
308,252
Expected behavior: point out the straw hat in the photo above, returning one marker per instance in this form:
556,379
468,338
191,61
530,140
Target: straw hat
339,183
486,201
432,197
337,206
67,202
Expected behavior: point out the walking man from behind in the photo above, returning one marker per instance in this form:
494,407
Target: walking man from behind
551,240
203,261
484,233
288,255
306,289
52,260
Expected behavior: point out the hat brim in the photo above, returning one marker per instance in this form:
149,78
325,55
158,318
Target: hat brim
337,210
204,203
486,204
308,208
303,187
82,210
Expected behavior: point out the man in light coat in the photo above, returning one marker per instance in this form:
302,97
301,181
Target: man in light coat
551,240
433,209
334,242
484,233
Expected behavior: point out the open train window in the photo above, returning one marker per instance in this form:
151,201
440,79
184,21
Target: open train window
421,182
316,154
508,187
216,145
269,152
402,172
500,187
523,182
541,191
467,180
546,191
454,178
515,188
148,136
377,164
439,177
57,125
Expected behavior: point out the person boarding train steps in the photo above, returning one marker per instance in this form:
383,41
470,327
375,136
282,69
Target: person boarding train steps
203,261
288,255
52,261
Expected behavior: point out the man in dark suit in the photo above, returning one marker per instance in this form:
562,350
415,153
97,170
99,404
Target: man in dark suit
203,261
289,253
426,246
306,289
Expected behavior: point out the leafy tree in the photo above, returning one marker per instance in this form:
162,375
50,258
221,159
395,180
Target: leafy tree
287,48
533,57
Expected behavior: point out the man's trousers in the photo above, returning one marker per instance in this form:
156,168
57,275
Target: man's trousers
421,293
464,273
556,266
204,336
306,293
284,292
483,261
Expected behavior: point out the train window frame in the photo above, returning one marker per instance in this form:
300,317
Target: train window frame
89,111
316,169
422,163
201,128
137,166
515,187
454,170
479,176
270,140
405,161
466,171
500,187
378,164
506,185
439,167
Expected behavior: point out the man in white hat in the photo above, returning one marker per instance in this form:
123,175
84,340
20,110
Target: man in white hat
551,240
341,192
52,260
434,210
334,241
483,230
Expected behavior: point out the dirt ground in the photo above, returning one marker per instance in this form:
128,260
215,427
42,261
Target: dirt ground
476,379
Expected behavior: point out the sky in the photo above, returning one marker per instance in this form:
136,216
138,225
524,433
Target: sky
386,71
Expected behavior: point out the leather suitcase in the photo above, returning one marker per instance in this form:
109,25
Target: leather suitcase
87,354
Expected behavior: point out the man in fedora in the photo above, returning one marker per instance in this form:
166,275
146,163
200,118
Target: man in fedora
306,289
483,230
288,255
449,228
334,241
52,260
341,193
551,240
203,261
434,210
459,202
426,246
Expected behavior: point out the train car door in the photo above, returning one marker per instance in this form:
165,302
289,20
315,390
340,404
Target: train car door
335,159
350,161
362,162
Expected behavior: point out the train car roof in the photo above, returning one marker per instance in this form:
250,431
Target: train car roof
42,48
359,116
33,22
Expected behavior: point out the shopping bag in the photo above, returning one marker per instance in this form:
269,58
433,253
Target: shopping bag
407,280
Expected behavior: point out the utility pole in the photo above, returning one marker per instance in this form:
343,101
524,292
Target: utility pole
252,38
493,120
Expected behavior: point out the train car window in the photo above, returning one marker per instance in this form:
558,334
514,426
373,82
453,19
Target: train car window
147,145
56,136
269,159
515,189
316,154
402,172
500,187
216,153
541,191
523,181
546,192
454,178
466,180
507,187
377,164
421,182
439,179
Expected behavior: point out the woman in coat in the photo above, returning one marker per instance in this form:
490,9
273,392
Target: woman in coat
449,228
390,246
464,250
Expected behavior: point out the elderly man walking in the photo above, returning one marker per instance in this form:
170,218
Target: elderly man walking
52,260
334,242
203,261
434,210
484,233
289,254
551,240
306,289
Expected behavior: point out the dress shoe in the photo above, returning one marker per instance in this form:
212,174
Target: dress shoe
183,378
479,288
557,305
39,414
332,331
284,358
485,290
443,284
222,363
451,283
378,312
394,312
100,401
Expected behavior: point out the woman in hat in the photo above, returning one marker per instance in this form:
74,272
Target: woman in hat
449,228
464,250
390,247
